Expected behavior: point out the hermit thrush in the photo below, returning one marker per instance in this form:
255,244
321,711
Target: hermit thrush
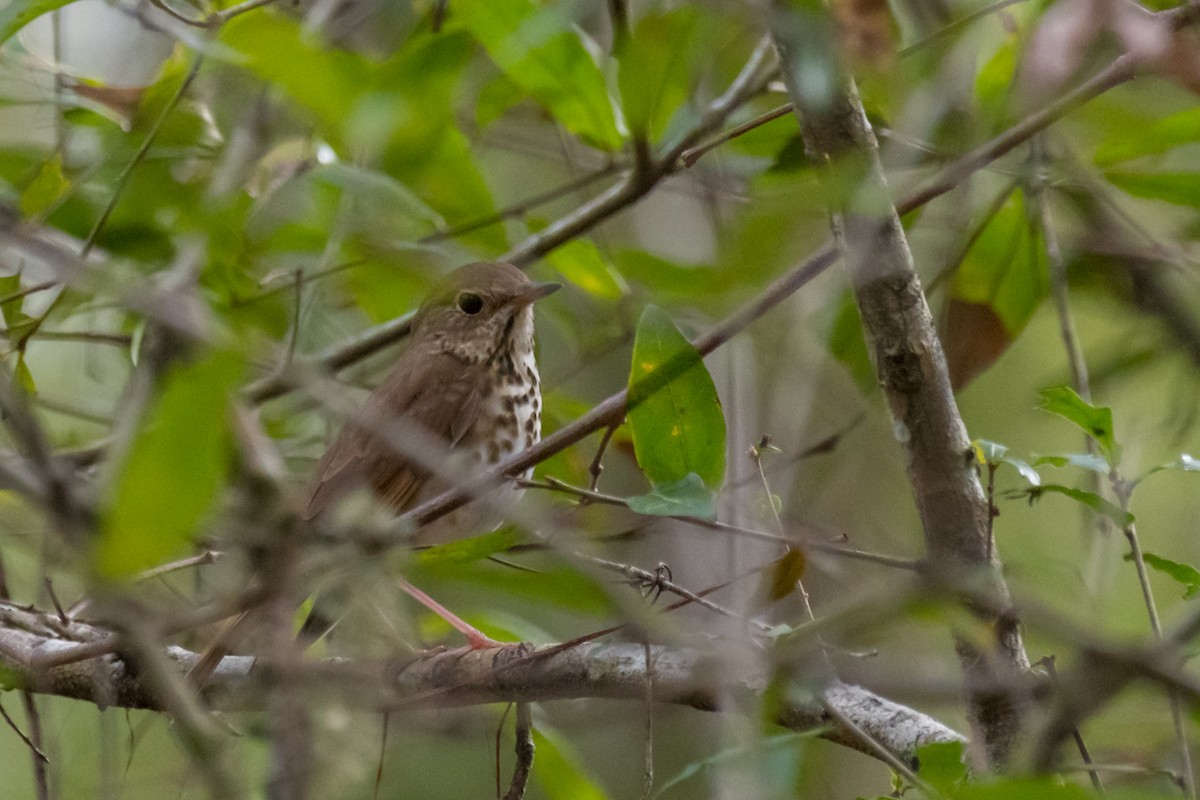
467,377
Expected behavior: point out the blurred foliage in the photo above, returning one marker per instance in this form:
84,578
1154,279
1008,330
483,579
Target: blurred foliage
299,172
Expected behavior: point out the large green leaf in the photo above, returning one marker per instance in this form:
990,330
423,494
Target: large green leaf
674,412
1177,188
654,72
1003,268
544,55
174,470
16,14
1096,421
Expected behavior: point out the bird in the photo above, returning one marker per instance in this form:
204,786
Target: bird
467,377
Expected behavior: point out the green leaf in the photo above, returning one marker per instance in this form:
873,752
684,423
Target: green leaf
654,72
45,189
326,81
473,548
174,470
551,586
23,376
941,764
988,452
847,345
1003,269
1096,421
11,311
675,415
686,497
1163,135
381,197
560,769
582,263
1185,574
543,54
1088,461
1041,788
1089,499
19,13
1177,188
1185,463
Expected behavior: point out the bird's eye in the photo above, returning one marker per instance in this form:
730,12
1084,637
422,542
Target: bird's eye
470,303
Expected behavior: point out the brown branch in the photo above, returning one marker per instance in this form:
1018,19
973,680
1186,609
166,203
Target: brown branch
912,371
514,673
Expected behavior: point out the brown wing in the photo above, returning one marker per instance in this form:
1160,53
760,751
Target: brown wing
436,391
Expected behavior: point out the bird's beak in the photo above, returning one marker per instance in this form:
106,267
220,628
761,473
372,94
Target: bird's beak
535,291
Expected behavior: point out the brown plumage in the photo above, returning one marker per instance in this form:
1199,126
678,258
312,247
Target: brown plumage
468,377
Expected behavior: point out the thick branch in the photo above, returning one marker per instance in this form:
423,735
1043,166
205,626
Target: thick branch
912,371
685,677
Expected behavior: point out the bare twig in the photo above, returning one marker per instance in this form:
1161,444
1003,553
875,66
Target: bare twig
524,751
597,467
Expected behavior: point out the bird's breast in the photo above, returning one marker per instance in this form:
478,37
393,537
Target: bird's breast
510,416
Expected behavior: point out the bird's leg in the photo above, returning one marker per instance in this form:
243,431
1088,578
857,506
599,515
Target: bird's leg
476,639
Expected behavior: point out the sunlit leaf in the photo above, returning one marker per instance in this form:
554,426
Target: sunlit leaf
1185,574
174,470
1090,499
674,413
544,55
1096,421
686,497
582,263
653,69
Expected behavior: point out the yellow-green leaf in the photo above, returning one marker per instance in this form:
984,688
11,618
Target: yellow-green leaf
174,470
674,413
540,51
582,263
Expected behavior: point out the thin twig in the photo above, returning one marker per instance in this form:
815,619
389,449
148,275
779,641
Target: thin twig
1080,744
596,467
693,154
647,578
524,751
38,755
648,747
35,743
556,485
1058,273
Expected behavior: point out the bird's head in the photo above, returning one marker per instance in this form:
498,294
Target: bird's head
478,308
